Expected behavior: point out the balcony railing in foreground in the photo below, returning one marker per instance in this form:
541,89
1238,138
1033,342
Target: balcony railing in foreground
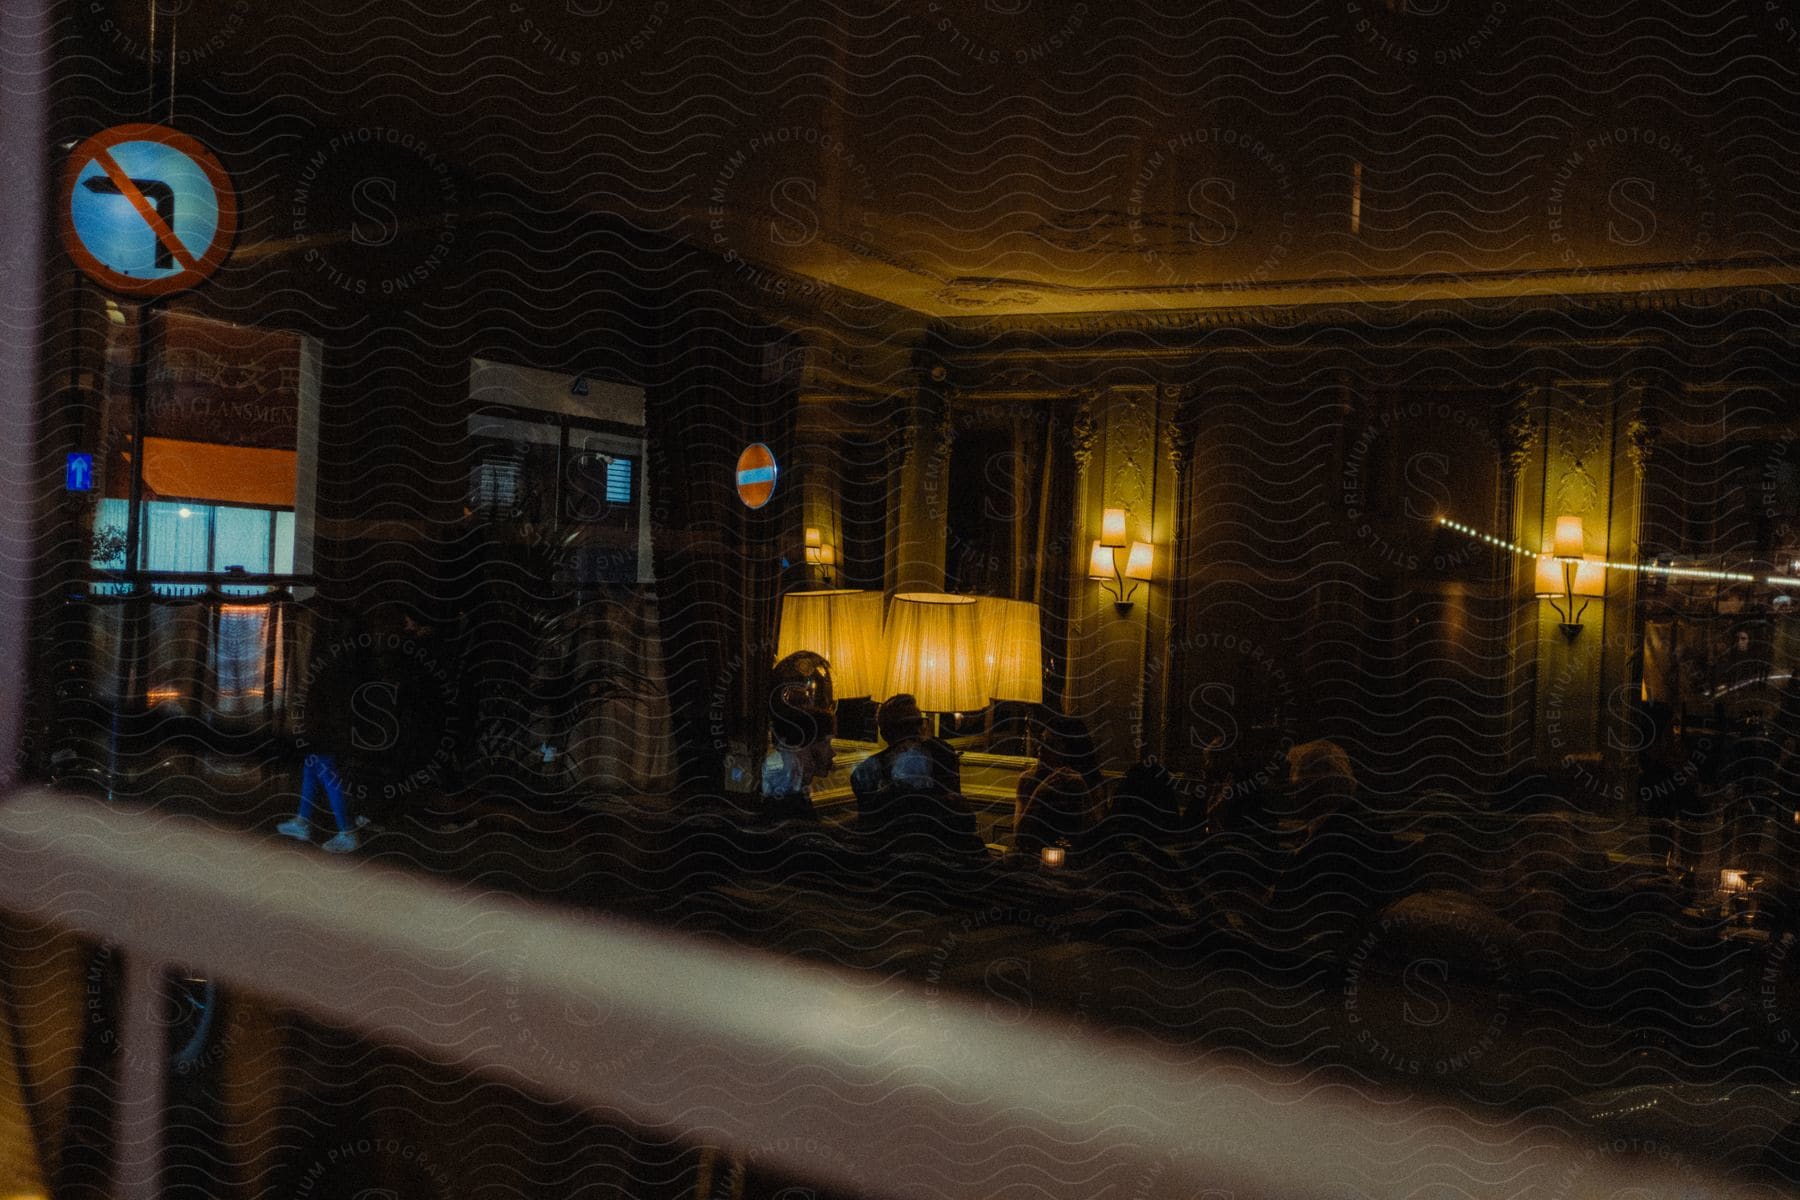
910,1094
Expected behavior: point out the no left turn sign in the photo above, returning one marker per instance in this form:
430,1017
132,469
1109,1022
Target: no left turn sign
146,210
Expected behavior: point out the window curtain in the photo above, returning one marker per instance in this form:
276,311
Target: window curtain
175,543
247,662
227,663
622,739
241,539
718,566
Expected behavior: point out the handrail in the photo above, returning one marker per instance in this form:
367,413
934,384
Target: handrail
905,1096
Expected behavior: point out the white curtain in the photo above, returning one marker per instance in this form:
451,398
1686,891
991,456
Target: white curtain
173,542
241,539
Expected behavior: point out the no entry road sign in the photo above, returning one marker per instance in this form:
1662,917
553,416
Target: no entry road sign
146,210
756,475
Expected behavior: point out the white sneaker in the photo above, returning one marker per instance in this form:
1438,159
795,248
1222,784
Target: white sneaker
294,827
342,843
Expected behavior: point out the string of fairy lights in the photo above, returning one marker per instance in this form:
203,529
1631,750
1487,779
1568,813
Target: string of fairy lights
1641,568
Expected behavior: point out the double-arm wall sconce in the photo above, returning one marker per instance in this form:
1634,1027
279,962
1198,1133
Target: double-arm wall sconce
1119,579
1565,574
819,553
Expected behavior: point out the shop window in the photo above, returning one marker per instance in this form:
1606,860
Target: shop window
181,538
219,469
557,461
203,447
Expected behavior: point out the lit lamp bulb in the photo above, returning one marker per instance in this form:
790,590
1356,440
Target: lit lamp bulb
1563,580
1571,539
1140,562
1733,880
1052,856
1100,562
1112,528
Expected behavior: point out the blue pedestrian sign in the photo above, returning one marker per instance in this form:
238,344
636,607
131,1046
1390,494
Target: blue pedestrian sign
146,210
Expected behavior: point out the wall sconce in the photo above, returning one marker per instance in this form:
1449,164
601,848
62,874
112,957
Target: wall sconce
1737,895
820,553
1564,574
1104,564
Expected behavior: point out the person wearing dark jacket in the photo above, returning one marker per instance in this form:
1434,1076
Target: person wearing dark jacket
376,724
338,668
909,793
1061,796
1344,870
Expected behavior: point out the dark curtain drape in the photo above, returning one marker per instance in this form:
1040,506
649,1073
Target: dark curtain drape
723,386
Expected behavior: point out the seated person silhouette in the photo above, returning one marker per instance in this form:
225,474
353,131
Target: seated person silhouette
1061,796
1146,805
1130,849
909,793
802,718
1344,870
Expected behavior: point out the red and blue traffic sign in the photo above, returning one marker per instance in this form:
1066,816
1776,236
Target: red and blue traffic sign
756,475
146,210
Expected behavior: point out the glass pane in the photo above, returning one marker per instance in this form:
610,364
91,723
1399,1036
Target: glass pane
108,540
618,481
177,537
284,544
241,539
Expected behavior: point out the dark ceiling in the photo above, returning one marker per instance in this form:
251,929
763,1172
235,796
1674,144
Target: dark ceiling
964,157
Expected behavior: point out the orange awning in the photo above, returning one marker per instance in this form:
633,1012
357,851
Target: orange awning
211,473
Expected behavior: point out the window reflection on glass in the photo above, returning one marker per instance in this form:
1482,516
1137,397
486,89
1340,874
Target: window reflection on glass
217,486
564,490
196,481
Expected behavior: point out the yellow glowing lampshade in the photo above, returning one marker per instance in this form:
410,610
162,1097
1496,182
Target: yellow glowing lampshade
814,555
1100,562
1571,539
1141,561
934,652
1549,579
842,624
828,556
813,536
1012,649
1112,527
1590,577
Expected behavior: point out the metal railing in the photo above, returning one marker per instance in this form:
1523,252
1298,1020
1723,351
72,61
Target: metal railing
863,1083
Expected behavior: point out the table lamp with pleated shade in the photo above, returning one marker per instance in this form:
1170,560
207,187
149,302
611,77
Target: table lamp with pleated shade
1012,648
934,652
844,625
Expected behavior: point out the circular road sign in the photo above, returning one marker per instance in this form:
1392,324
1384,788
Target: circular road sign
756,475
146,210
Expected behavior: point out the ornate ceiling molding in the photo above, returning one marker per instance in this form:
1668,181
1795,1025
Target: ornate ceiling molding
1498,310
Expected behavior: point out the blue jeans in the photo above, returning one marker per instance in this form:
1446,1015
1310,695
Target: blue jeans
321,771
